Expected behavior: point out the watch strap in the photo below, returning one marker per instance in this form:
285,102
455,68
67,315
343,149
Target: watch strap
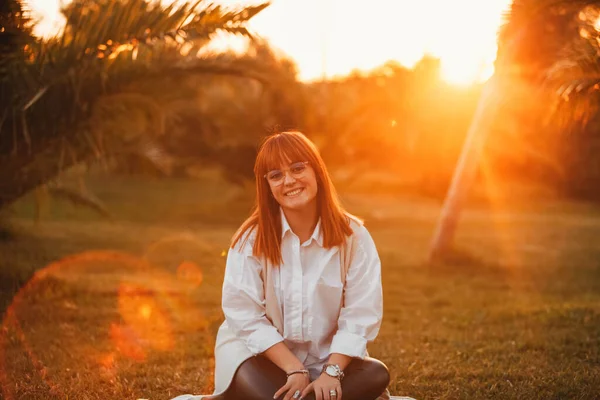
339,373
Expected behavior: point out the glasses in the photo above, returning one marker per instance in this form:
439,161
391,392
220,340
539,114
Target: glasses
277,176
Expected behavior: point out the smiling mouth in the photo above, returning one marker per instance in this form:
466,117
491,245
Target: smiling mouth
294,193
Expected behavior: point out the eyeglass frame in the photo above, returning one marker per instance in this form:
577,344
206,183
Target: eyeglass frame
306,164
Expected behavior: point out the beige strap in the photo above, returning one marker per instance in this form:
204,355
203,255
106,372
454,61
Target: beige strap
272,309
346,256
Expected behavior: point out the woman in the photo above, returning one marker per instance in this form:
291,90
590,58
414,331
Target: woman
302,290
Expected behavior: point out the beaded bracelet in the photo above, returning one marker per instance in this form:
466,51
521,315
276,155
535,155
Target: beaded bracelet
299,371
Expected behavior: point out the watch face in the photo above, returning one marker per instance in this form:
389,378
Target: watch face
331,371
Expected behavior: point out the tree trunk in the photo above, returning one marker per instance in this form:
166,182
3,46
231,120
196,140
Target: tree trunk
464,174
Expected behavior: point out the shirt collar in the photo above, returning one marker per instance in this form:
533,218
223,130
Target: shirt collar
285,226
316,235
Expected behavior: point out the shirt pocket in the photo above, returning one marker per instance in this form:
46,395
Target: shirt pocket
328,292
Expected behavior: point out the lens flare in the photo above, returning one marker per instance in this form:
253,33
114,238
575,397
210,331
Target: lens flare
136,305
190,272
170,251
127,342
78,319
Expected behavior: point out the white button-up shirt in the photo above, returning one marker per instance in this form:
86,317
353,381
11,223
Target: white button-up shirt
309,289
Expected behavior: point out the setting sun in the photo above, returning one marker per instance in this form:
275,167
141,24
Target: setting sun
342,38
329,38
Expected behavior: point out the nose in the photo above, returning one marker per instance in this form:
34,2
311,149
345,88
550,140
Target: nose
289,179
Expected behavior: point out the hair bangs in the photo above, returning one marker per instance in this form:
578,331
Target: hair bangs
280,150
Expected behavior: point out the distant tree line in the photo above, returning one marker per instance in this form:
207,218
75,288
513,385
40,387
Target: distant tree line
138,91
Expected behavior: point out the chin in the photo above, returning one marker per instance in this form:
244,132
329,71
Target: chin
296,204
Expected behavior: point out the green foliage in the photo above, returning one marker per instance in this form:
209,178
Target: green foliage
393,122
56,96
552,48
219,120
15,35
534,33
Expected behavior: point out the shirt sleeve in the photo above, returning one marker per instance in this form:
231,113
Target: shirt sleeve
361,315
243,301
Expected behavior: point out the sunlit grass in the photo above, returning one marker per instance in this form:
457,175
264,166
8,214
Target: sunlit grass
129,308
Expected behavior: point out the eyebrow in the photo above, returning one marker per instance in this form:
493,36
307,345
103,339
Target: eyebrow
279,168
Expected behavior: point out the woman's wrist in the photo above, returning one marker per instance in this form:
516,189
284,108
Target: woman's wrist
293,364
333,371
281,356
297,371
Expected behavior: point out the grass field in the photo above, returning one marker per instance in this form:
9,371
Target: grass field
129,308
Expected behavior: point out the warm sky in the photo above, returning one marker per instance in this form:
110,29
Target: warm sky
337,36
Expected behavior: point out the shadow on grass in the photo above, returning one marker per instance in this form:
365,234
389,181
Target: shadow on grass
461,261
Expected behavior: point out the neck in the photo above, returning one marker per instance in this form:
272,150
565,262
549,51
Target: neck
302,222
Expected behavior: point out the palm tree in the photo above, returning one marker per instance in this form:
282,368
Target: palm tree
15,33
568,71
73,97
550,43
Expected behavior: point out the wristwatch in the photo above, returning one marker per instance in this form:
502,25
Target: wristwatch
334,371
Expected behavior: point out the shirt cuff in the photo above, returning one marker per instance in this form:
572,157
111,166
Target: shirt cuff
263,338
349,344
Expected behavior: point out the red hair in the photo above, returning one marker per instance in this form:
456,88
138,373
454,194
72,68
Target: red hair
280,149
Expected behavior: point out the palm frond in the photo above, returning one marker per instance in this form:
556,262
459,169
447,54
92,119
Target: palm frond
535,32
52,93
555,44
574,74
15,33
576,70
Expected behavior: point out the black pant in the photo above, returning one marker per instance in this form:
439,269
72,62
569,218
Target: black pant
258,379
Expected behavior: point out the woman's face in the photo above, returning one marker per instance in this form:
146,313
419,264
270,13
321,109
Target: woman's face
294,186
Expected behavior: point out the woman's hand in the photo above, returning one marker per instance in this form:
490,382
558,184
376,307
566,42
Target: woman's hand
323,386
296,383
